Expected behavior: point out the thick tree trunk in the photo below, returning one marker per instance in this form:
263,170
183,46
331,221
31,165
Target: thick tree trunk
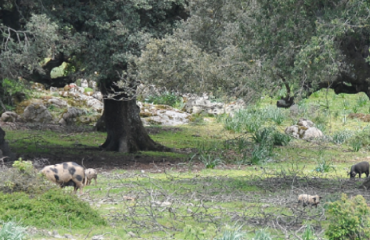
125,130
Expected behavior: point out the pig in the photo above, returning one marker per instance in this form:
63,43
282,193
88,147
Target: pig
65,174
90,173
360,168
312,200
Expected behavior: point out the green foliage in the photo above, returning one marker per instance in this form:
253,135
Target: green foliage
196,119
348,219
308,233
362,100
49,209
262,234
232,233
323,165
15,180
23,166
12,230
270,135
166,98
86,90
341,137
12,86
356,144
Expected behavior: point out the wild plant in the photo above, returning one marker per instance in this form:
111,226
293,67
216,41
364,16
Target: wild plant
348,218
308,233
323,165
356,144
166,98
262,234
232,233
261,152
341,137
362,100
277,115
12,230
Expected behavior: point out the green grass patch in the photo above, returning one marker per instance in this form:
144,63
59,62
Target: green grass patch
50,209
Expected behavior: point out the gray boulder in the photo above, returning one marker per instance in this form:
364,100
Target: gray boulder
37,112
304,130
9,116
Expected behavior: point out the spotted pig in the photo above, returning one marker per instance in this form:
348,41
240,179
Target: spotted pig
65,174
91,173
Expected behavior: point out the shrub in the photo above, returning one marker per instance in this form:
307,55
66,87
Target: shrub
281,139
14,180
12,231
271,136
23,166
166,98
348,219
50,209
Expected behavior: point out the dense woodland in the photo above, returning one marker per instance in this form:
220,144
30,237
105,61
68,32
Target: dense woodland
227,48
231,177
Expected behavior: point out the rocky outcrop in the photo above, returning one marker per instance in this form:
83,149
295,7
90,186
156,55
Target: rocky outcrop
9,116
37,112
71,115
162,115
304,130
5,152
196,105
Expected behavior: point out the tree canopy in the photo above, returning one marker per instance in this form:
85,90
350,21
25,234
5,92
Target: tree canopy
248,46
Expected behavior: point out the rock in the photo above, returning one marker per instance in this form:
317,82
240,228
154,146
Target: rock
95,104
98,95
53,89
9,116
70,116
58,102
304,130
37,112
92,85
84,83
38,87
162,115
196,105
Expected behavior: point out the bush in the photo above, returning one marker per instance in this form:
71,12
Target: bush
12,231
166,98
14,180
23,166
48,210
348,219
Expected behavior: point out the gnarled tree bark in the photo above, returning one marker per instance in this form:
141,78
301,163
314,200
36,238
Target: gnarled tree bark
125,130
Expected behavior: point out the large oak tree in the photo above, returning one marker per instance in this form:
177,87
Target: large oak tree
98,40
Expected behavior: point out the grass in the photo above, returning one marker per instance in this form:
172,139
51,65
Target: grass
229,198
